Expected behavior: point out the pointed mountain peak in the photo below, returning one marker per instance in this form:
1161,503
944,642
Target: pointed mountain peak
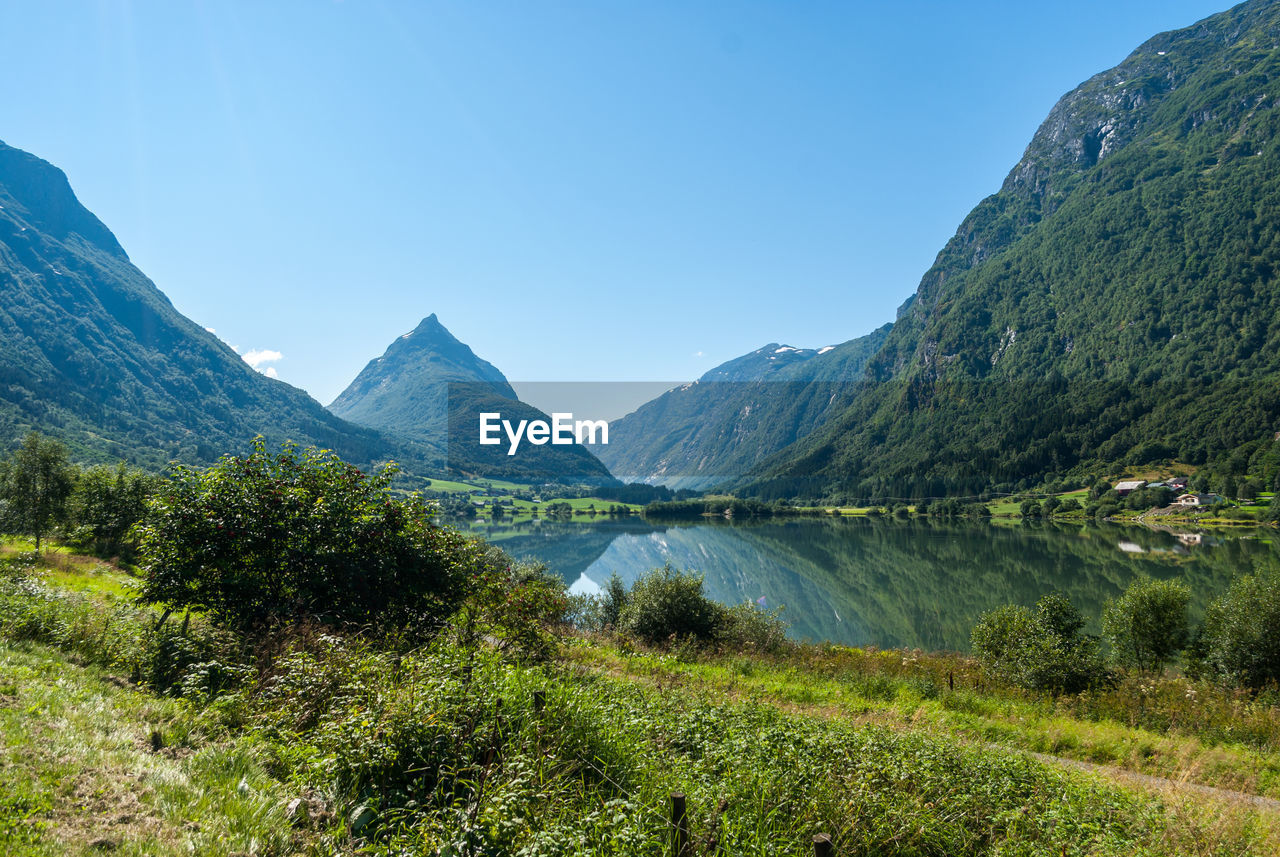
430,328
422,359
759,364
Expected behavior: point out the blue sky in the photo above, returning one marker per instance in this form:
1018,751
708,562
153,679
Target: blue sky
602,191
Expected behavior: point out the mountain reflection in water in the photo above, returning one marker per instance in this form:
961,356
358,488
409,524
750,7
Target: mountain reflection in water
917,583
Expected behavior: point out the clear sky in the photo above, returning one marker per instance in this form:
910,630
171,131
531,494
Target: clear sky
589,190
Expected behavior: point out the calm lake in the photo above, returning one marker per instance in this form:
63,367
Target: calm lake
916,583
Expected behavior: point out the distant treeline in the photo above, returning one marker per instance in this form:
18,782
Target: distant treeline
639,493
731,507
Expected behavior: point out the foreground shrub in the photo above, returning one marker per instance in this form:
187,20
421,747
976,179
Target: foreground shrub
446,752
599,611
266,537
746,626
1041,649
1239,642
189,658
1147,625
519,606
665,603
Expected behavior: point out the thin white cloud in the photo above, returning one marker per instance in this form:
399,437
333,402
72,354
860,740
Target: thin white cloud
699,354
256,357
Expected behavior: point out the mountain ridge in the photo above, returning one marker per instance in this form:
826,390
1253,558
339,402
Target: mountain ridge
714,430
1115,303
93,353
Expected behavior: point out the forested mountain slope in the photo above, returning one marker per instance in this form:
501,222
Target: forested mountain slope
714,430
1115,303
93,353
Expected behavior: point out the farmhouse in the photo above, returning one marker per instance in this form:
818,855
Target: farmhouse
1123,488
1197,499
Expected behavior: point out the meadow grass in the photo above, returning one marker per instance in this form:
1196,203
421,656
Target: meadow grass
80,775
1165,727
449,748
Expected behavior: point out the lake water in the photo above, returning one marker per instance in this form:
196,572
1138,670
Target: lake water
916,583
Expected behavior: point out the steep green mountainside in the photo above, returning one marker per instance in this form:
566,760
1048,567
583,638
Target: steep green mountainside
736,415
1115,303
431,388
93,353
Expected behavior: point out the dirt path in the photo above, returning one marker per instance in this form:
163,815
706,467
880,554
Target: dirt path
1163,784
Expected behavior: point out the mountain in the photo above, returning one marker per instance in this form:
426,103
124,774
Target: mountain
1115,303
91,352
735,416
431,388
404,389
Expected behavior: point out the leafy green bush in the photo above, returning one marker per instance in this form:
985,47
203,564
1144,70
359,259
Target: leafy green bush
1104,510
1041,649
667,604
177,659
105,503
560,510
1239,642
1147,625
601,611
1149,498
746,626
268,537
519,606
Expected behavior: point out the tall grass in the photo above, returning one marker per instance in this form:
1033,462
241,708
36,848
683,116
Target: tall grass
442,749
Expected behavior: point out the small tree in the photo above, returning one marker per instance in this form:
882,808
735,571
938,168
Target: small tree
1239,642
35,482
1147,625
1039,649
613,599
265,537
666,603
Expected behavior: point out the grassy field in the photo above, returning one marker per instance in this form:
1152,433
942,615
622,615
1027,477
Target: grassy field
450,749
1188,732
81,775
490,491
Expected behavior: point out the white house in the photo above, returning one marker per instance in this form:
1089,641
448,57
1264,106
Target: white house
1197,499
